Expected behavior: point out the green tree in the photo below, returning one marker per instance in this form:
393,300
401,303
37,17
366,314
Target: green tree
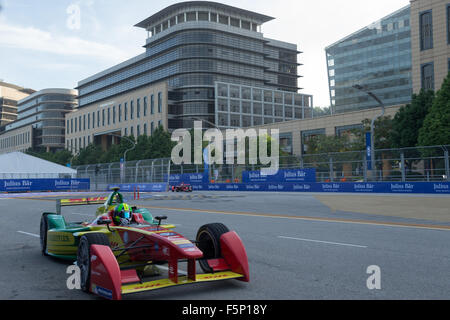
436,126
89,155
160,144
409,120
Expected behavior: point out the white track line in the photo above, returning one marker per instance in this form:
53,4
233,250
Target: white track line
326,242
29,234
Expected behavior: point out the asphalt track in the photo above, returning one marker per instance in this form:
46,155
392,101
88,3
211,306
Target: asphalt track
300,246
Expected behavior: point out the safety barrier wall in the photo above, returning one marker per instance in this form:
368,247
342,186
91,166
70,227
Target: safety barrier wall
350,187
26,185
333,187
141,187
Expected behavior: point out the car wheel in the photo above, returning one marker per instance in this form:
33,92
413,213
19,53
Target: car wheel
84,256
208,241
43,229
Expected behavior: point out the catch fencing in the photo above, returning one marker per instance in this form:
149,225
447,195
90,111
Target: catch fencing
418,164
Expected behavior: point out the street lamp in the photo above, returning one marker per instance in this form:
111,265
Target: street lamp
372,125
126,151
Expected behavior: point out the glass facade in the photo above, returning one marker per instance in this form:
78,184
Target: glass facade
192,50
378,58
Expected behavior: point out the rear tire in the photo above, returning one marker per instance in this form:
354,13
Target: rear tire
84,256
208,241
43,229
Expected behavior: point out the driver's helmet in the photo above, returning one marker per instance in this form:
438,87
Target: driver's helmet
122,214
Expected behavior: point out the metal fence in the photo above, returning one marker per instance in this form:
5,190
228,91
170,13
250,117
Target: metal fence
407,164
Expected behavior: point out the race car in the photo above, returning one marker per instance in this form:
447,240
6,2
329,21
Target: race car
182,187
115,260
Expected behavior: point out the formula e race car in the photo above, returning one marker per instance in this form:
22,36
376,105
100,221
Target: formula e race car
119,259
182,187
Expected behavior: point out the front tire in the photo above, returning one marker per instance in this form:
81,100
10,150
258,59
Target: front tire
208,241
84,256
43,229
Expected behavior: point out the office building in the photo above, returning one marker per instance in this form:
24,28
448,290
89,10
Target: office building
192,47
40,123
378,58
9,95
430,40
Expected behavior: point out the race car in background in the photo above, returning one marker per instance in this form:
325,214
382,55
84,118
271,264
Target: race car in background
182,187
116,260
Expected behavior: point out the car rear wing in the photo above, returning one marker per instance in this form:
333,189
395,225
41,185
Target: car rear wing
77,202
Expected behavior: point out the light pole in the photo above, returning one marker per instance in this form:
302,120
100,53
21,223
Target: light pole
126,151
372,126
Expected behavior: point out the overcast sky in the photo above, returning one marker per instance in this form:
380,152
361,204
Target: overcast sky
42,46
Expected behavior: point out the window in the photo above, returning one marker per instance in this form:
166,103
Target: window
138,130
213,17
191,16
427,71
159,123
426,30
173,21
152,104
114,114
448,24
131,131
79,123
138,108
98,118
93,120
109,116
89,121
159,102
71,125
103,117
67,127
245,24
152,127
84,122
131,110
120,112
223,19
145,129
181,18
145,106
125,111
235,22
203,16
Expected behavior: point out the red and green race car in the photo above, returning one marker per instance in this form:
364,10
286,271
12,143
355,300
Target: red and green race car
182,187
115,260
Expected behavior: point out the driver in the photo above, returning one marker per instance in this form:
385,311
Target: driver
122,214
